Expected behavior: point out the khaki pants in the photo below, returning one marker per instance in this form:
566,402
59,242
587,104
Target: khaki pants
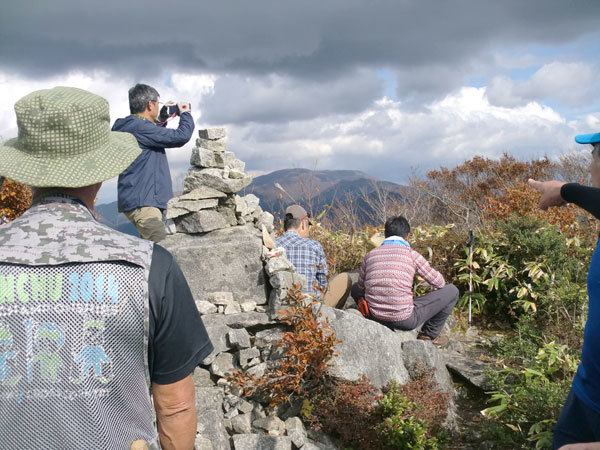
338,290
148,221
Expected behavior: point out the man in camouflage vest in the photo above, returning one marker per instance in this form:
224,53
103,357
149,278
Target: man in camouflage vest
92,321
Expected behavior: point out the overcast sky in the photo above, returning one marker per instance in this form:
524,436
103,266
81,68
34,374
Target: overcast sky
380,86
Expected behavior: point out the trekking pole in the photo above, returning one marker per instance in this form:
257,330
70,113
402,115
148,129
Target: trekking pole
471,238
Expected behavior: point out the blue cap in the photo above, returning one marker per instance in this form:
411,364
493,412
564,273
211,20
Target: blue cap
587,138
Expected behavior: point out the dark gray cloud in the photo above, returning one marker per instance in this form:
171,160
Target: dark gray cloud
299,81
313,39
277,99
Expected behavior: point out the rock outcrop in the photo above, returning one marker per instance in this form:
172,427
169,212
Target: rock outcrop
224,244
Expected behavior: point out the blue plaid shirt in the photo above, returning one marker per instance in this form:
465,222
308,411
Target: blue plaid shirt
307,256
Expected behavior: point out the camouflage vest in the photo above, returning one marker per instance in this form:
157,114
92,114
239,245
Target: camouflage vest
73,332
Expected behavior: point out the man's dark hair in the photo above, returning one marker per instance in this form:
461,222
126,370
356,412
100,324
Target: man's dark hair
290,222
397,226
139,96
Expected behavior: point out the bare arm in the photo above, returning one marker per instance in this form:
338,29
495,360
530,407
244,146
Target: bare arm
582,446
550,191
176,413
557,193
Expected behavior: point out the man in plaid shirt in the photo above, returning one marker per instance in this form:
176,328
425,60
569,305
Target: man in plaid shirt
308,258
385,282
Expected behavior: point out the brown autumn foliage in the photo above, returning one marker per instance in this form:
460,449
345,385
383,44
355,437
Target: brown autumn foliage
307,350
520,199
461,194
15,198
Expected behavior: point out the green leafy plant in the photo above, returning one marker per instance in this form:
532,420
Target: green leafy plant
527,399
412,414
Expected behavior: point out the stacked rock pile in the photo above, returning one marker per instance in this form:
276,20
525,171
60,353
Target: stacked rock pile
225,246
210,200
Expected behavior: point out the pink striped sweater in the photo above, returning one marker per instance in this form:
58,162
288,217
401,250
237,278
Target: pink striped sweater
386,279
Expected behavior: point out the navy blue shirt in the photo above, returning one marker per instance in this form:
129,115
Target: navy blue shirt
147,181
178,340
586,384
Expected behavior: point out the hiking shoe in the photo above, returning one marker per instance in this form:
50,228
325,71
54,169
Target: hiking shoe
440,341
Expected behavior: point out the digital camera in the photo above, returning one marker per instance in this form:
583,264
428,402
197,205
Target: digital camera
172,109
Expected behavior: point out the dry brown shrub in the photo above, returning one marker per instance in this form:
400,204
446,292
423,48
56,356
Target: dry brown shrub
15,198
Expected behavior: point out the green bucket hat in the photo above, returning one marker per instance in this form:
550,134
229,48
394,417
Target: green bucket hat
65,141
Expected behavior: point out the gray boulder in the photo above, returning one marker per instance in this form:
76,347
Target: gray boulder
205,307
252,202
203,157
202,378
222,260
279,264
244,320
201,193
268,337
219,145
222,365
265,219
176,208
239,338
296,431
209,407
237,165
218,336
242,423
367,348
241,208
423,354
248,357
201,221
213,133
228,213
235,173
261,442
468,369
270,424
197,177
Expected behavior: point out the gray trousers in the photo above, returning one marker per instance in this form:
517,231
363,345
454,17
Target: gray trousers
430,312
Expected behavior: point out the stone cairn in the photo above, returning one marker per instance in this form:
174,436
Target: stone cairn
244,332
210,200
225,246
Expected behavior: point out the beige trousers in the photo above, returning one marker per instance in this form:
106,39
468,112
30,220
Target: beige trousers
148,221
338,290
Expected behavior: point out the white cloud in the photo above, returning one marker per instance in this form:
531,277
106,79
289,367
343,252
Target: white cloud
570,83
387,140
383,138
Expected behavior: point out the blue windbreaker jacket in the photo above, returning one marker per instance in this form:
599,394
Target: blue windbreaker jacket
147,181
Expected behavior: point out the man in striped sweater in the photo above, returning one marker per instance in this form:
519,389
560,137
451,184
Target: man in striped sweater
386,283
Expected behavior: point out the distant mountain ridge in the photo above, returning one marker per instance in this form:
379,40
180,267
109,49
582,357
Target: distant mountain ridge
317,190
108,214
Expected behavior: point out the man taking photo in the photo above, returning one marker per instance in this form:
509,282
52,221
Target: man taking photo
145,186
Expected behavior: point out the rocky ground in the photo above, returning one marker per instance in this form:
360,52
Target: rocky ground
224,244
467,360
